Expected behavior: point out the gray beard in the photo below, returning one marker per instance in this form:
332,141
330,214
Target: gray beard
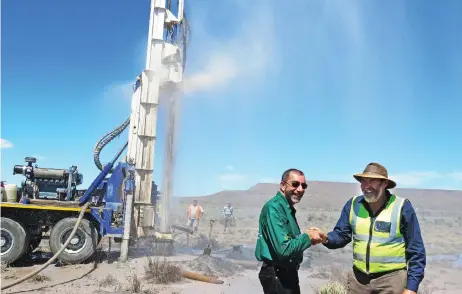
372,199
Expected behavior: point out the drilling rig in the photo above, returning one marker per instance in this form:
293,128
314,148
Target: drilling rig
165,63
120,202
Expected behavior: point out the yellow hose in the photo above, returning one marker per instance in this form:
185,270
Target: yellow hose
18,281
202,278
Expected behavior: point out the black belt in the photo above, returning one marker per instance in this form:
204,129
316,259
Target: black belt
268,263
372,276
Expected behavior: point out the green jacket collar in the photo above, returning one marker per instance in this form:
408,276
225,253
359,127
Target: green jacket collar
283,200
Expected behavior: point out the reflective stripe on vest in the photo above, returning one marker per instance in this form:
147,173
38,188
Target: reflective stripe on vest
378,245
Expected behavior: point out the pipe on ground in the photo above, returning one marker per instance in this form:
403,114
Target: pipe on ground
202,278
46,264
183,229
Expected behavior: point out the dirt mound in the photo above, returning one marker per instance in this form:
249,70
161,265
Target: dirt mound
203,241
212,266
241,253
196,242
320,275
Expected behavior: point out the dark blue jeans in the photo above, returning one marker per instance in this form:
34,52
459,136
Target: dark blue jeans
277,280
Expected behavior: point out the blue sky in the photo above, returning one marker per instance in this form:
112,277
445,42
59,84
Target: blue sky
324,86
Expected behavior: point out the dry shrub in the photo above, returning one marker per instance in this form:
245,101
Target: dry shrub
4,266
39,278
333,287
320,275
213,266
339,275
162,272
336,287
108,281
135,284
338,281
426,290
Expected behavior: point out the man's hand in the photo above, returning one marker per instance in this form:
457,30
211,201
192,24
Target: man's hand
321,234
316,236
406,291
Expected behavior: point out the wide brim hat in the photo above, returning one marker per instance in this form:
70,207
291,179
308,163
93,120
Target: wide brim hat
376,171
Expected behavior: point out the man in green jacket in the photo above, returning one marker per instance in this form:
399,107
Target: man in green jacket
280,244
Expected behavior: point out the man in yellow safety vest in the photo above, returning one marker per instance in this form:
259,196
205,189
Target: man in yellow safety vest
388,250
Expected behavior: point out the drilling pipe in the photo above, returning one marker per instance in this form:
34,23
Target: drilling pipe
183,229
202,278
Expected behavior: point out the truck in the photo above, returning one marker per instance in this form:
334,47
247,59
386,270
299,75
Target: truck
120,201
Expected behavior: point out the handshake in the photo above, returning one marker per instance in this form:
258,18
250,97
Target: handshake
316,236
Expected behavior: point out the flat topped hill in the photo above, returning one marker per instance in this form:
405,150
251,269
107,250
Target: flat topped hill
332,195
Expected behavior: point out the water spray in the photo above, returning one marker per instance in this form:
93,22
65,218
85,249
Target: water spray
173,105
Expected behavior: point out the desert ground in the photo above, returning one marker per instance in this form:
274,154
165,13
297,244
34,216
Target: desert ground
439,215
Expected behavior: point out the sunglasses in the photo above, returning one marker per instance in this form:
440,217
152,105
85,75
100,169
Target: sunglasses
296,184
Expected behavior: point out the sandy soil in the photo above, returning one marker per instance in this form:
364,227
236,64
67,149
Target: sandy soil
107,275
114,277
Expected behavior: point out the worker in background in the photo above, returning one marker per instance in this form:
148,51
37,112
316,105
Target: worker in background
280,243
195,213
228,214
389,255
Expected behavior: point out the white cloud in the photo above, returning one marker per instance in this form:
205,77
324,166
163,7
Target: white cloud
349,17
216,74
429,179
215,63
5,144
120,91
39,157
269,180
232,177
233,181
245,55
415,178
229,167
457,176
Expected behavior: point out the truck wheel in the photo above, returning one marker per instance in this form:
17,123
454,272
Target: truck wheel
82,245
13,240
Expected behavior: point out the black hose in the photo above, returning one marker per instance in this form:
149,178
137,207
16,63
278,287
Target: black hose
108,137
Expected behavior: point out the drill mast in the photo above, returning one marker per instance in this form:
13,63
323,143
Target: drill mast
163,72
